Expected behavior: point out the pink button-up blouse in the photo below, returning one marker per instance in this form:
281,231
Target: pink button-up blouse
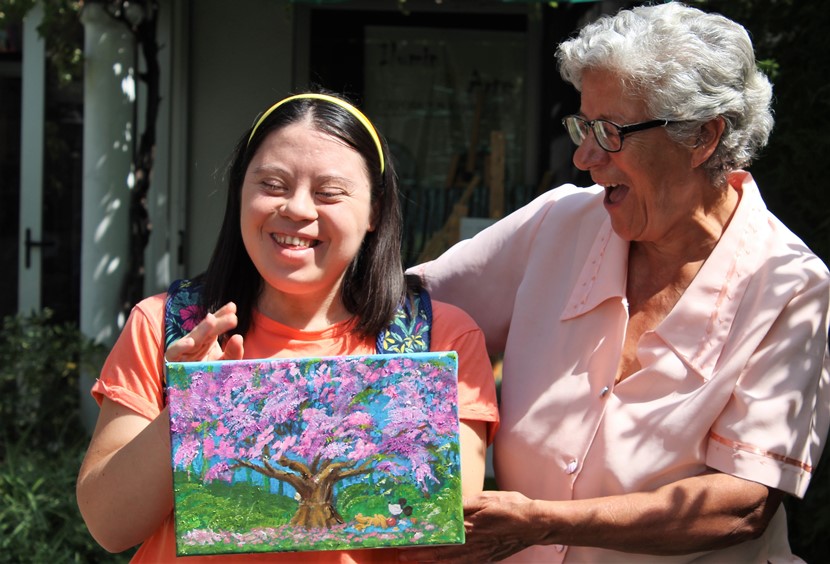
735,378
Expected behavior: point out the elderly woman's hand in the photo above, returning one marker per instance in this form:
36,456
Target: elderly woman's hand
497,523
202,343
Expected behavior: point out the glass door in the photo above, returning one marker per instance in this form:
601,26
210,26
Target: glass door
41,117
10,90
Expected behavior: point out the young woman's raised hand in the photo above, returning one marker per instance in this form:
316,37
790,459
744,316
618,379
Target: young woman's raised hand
202,343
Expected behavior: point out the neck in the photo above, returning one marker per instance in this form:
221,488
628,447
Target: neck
674,260
694,240
307,312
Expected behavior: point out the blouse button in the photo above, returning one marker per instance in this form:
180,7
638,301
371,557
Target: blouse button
571,467
604,391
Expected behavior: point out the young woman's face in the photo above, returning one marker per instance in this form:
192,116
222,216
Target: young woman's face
305,209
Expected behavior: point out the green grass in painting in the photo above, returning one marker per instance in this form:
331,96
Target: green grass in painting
225,513
220,506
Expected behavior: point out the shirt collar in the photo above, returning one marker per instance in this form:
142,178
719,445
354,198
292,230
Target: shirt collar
697,327
603,274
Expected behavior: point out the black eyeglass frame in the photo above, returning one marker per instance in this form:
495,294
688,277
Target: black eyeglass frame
622,130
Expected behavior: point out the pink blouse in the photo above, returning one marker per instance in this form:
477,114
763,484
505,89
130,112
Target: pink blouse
735,378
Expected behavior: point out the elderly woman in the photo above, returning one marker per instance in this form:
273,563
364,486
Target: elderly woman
664,335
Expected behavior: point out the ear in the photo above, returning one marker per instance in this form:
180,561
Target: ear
707,141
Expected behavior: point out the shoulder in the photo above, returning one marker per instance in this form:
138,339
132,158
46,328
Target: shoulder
789,254
131,374
144,329
777,247
564,208
150,310
560,215
450,323
783,258
559,207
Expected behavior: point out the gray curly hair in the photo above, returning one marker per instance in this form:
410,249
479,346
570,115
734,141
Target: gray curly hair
688,66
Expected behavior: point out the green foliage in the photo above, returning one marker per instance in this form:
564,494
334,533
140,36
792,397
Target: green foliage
62,29
42,442
435,507
220,507
39,519
241,507
12,11
791,44
39,369
238,507
362,498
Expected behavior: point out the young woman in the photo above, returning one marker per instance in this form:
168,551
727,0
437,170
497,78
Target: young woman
307,264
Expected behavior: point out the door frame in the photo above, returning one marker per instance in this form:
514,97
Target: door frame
31,163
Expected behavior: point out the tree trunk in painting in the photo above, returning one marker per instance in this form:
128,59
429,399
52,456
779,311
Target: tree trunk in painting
316,509
314,484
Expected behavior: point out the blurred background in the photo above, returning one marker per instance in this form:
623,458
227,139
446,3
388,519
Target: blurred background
117,119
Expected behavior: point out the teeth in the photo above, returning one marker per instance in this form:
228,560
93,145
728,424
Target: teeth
293,241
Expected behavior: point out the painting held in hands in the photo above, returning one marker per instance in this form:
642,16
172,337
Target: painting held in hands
300,454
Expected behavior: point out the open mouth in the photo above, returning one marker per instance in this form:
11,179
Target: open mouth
294,242
615,193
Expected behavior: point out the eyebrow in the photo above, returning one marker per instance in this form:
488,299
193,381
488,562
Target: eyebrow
266,168
337,179
271,169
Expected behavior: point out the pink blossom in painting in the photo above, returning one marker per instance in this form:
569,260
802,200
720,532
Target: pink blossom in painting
313,425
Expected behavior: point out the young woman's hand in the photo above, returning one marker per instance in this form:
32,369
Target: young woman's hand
203,342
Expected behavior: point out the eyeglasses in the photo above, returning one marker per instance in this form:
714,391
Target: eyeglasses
608,134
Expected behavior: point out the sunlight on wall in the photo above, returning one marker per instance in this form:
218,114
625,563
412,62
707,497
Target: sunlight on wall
107,265
111,209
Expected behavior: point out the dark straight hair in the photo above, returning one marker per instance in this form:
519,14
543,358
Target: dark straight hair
373,285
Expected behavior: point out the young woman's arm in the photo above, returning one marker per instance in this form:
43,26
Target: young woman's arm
125,484
473,439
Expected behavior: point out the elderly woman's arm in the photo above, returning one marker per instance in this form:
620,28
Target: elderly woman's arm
705,512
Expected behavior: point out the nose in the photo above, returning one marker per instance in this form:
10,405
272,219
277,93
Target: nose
589,155
299,205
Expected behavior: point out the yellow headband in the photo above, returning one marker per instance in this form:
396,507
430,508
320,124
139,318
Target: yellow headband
337,101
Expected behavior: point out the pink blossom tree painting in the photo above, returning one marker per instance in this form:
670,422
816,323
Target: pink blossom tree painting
316,424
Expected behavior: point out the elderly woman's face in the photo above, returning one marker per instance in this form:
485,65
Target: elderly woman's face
650,189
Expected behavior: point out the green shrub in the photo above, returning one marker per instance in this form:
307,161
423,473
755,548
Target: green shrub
42,442
39,519
39,366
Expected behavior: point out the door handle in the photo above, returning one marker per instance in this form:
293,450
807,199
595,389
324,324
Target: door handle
30,243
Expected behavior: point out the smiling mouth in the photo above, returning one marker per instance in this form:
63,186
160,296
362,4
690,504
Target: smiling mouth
614,193
295,242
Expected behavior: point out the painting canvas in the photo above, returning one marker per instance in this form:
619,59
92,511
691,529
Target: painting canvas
303,454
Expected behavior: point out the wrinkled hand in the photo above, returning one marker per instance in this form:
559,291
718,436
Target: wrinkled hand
497,525
203,342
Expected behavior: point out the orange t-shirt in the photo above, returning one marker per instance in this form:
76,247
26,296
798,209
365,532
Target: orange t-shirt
132,376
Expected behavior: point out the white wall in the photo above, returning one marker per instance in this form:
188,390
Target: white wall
240,63
108,102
